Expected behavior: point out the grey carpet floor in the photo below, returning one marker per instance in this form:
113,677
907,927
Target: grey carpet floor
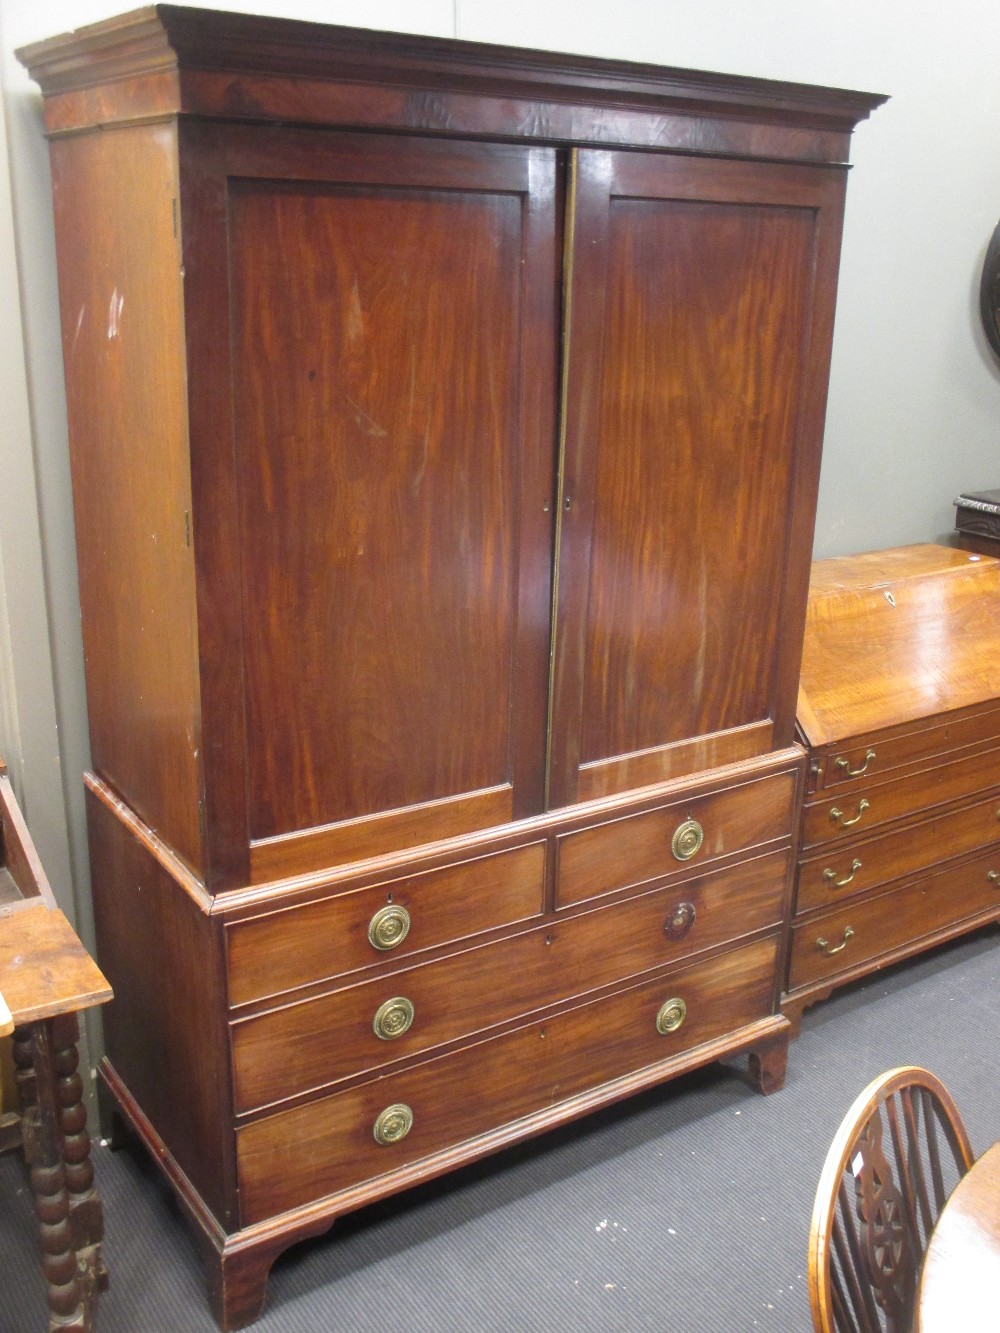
682,1211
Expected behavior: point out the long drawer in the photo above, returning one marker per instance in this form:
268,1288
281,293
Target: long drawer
870,927
634,849
870,804
304,1046
329,1144
295,946
879,756
865,865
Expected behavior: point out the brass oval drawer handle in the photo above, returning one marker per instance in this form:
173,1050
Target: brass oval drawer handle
687,840
389,927
837,815
850,772
680,921
831,949
993,876
393,1124
393,1018
671,1015
831,876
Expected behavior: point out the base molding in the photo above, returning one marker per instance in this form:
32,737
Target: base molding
237,1264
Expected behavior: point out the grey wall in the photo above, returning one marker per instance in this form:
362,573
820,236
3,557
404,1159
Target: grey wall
914,411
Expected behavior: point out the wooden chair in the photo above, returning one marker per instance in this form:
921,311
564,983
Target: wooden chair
883,1185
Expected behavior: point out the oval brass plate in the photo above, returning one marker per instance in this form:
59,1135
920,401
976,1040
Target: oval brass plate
672,1014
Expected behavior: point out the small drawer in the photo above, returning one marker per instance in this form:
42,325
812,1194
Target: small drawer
328,1145
857,866
877,757
870,805
294,946
870,927
302,1047
634,849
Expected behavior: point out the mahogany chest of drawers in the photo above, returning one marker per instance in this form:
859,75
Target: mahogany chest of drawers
899,704
445,776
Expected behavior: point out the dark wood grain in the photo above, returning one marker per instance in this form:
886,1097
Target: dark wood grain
701,320
313,1151
165,1030
392,537
613,855
287,1051
279,950
493,446
123,354
185,59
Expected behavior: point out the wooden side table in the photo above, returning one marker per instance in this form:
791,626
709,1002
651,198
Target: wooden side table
961,1273
46,978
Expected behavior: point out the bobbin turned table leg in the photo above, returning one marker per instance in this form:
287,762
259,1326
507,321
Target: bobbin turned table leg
70,1279
85,1207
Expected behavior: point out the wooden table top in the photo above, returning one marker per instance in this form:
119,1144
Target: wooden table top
960,1282
44,969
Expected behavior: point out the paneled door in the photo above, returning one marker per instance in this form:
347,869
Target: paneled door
393,319
700,304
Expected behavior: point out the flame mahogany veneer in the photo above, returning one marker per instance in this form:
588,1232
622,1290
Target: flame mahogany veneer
445,426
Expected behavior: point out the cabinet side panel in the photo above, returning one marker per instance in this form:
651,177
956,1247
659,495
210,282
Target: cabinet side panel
123,351
164,1030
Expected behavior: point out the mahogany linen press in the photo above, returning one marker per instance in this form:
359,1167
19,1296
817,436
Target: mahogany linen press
445,426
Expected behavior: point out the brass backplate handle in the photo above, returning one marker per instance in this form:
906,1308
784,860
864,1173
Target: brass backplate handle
687,840
830,949
837,815
831,876
993,876
393,1124
393,1018
850,772
671,1015
389,927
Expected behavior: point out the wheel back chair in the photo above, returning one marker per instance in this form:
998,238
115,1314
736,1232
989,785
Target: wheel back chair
897,1156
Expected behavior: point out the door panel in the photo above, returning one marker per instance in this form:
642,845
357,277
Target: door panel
393,318
688,434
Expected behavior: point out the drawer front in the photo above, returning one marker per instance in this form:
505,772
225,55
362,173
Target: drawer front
849,869
838,817
638,848
305,1046
294,946
328,1145
848,762
870,927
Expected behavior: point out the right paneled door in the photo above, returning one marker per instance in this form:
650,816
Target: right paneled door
698,312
